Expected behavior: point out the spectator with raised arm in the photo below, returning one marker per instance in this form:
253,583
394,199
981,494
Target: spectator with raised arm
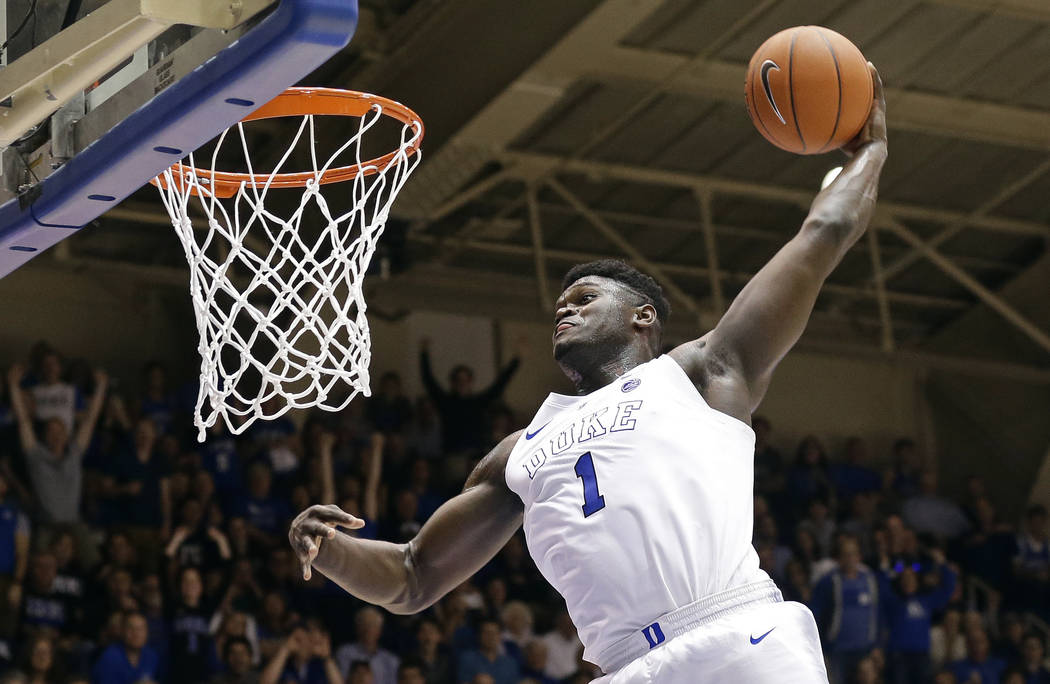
463,410
909,617
196,543
55,463
51,396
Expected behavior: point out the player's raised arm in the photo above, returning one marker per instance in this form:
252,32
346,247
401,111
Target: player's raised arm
465,533
770,313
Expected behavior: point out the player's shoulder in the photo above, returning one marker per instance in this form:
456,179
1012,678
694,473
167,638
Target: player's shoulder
491,468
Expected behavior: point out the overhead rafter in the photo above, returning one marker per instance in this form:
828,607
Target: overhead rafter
1035,10
912,111
996,303
737,231
687,270
525,163
592,51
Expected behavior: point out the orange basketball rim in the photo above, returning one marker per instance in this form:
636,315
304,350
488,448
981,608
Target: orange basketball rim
307,101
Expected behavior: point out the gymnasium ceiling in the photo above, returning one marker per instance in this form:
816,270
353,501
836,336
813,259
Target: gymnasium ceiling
562,131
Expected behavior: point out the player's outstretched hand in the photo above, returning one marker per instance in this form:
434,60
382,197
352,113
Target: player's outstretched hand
874,129
314,525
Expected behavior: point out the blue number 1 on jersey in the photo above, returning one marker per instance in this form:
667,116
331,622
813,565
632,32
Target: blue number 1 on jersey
592,500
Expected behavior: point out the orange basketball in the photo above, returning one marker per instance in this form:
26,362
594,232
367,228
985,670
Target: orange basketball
808,90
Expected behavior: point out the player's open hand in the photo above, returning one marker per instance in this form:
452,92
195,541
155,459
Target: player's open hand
314,525
874,130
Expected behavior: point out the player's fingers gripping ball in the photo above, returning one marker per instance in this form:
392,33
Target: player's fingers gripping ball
808,90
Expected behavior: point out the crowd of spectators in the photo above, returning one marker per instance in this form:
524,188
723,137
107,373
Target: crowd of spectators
132,554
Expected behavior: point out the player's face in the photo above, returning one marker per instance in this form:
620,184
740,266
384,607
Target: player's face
592,311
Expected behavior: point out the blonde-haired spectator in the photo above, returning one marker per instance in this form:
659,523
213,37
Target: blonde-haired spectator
516,618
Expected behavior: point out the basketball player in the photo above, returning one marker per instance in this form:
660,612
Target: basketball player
636,495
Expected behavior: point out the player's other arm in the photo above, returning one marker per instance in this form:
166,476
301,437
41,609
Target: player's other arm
464,534
768,316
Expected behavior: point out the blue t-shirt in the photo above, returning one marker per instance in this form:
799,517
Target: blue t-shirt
504,669
160,411
11,522
847,610
910,618
988,671
268,515
219,458
852,479
312,673
113,666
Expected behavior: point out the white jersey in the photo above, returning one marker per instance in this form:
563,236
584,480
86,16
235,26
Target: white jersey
638,500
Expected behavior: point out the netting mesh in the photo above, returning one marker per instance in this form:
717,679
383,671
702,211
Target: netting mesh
277,291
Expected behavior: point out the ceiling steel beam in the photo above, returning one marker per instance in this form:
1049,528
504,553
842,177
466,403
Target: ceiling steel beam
773,236
687,270
995,302
592,51
1034,10
880,290
703,198
536,230
955,227
910,110
527,164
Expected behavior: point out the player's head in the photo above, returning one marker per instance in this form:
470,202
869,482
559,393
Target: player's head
607,304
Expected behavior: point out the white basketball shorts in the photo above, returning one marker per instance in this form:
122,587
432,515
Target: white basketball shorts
767,643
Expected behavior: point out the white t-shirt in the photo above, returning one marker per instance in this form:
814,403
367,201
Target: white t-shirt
563,655
58,400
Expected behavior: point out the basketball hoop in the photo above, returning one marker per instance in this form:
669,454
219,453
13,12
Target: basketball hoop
277,292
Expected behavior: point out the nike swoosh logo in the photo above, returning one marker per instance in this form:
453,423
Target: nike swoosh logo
755,641
530,435
768,66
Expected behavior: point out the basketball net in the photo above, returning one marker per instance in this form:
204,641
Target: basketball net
277,293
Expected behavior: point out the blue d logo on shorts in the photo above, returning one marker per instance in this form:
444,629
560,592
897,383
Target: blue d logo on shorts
654,635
